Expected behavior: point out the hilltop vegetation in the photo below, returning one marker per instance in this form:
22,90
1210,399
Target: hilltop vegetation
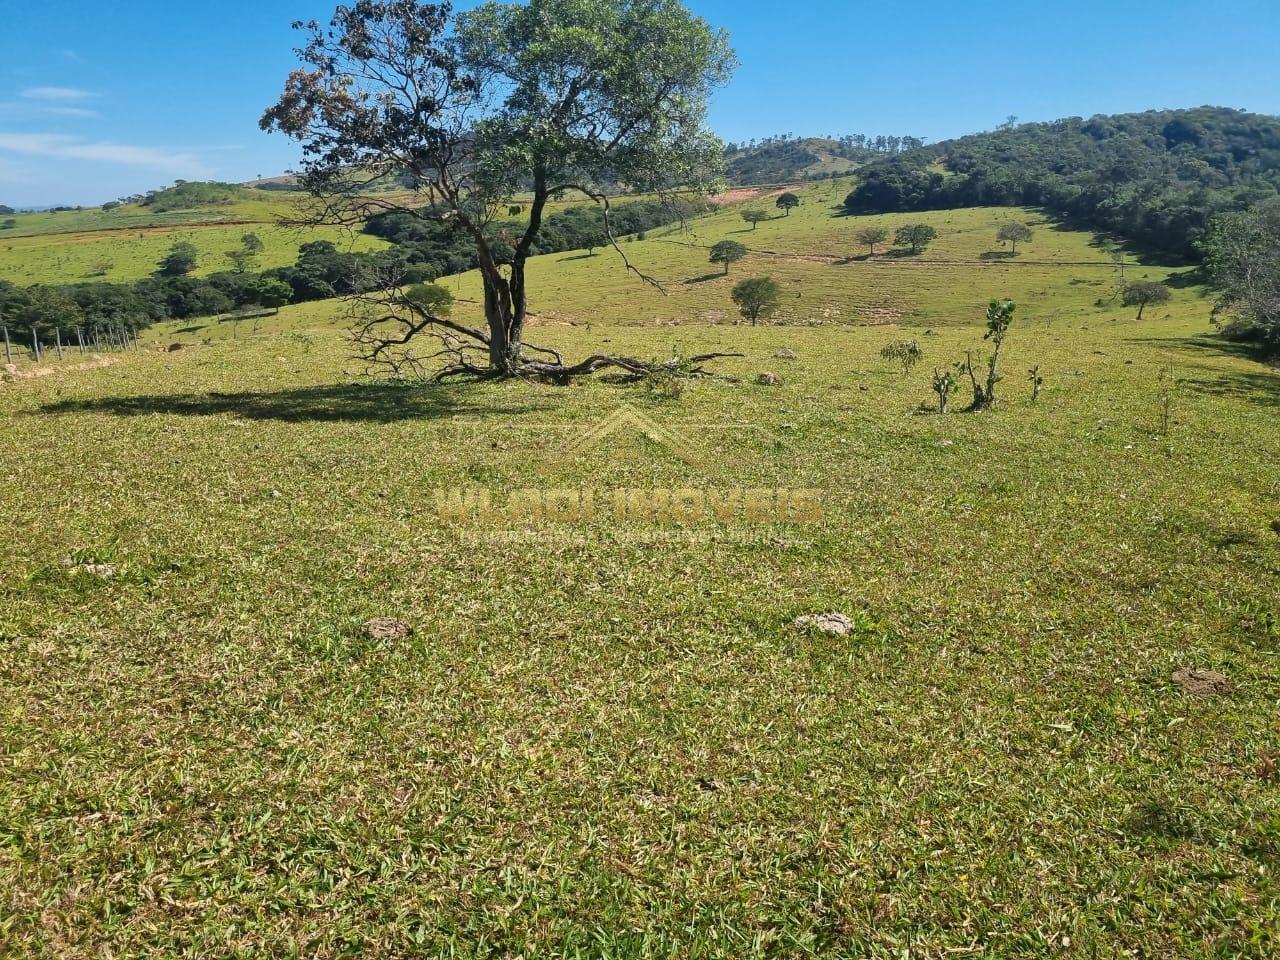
1157,177
785,159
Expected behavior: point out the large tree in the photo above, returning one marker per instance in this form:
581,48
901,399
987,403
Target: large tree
467,110
1242,251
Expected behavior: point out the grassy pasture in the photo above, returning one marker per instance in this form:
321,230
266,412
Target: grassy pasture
134,254
604,738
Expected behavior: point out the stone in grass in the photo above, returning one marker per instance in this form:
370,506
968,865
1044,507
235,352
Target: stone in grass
92,568
387,628
1201,683
768,379
835,624
785,354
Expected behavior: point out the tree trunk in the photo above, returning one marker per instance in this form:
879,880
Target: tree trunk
1141,307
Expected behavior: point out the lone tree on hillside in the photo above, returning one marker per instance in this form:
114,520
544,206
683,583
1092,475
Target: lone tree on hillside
245,257
727,252
547,97
917,236
758,298
1140,293
754,217
1014,234
870,237
788,202
180,260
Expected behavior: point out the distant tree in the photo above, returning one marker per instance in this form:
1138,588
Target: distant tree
245,258
788,202
272,293
1140,293
871,236
48,309
181,259
1242,251
754,217
1014,234
8,224
431,297
728,252
917,236
757,298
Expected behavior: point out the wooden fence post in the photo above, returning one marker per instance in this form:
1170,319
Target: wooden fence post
8,353
57,333
80,338
35,343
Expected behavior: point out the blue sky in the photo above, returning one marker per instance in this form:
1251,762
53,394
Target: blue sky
102,99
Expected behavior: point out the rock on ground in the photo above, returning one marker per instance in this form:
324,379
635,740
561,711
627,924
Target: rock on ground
836,624
1201,683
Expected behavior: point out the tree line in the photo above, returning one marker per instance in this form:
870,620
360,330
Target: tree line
421,251
1158,178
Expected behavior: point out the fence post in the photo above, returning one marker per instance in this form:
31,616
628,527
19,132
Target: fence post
8,353
35,343
80,338
57,333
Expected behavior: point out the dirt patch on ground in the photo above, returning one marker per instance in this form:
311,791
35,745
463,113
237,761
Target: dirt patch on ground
1201,683
11,372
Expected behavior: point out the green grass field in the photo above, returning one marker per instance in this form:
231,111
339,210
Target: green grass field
605,738
72,246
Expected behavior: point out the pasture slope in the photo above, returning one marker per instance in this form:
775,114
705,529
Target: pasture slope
605,738
72,246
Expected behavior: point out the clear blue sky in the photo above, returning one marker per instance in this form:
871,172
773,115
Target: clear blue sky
100,99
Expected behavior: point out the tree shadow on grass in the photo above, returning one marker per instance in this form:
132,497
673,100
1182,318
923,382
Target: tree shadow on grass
706,278
332,403
997,255
1254,386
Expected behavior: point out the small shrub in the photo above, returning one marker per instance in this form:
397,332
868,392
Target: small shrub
904,352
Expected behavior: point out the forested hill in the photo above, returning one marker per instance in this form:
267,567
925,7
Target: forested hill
787,159
1156,177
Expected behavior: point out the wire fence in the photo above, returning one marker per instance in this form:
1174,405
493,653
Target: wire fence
38,349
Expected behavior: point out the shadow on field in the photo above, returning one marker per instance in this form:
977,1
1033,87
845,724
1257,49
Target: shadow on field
1261,387
335,403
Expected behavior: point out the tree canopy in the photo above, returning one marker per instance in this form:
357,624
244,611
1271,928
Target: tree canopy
728,252
1156,177
1242,252
470,109
757,298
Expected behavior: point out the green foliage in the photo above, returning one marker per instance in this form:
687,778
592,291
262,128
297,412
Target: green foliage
430,298
1014,234
944,382
272,293
755,217
1155,177
185,195
1142,293
906,353
727,252
915,235
1242,253
787,202
871,237
757,298
181,259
